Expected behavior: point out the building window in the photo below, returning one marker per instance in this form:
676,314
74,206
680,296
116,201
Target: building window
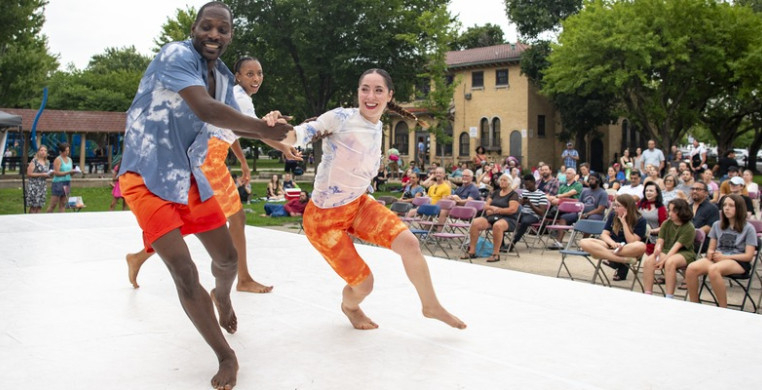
464,144
484,133
449,79
401,137
495,133
477,79
422,88
448,145
501,77
541,126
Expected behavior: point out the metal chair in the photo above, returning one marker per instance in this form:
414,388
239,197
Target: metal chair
401,208
564,208
743,281
425,213
455,229
581,227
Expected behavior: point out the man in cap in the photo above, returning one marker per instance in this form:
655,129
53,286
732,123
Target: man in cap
570,156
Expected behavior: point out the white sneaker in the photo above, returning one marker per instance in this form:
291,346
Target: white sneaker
556,245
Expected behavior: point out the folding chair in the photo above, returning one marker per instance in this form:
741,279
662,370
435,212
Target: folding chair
387,199
455,229
381,202
417,202
564,208
743,281
536,231
477,204
698,243
584,226
401,208
420,227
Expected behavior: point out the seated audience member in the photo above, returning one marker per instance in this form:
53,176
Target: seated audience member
406,177
288,183
652,208
736,187
467,191
714,190
652,175
437,186
595,199
670,190
725,186
686,182
534,204
675,163
292,208
705,213
673,249
456,176
672,171
634,188
584,174
748,179
381,178
732,242
723,165
412,189
612,178
622,237
244,189
547,183
516,178
275,189
561,175
572,189
500,214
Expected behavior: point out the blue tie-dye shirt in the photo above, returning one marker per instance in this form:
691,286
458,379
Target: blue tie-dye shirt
351,155
161,127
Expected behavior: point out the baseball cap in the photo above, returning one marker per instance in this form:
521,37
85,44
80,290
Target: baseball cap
569,144
736,181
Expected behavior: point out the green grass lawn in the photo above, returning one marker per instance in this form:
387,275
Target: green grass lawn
99,199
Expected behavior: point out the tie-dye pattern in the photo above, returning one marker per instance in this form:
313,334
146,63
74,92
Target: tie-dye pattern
216,171
329,230
161,128
351,155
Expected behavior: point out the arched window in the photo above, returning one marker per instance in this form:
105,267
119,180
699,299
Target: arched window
464,144
401,137
448,145
484,133
495,133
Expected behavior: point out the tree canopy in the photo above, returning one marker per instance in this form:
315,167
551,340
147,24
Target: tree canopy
479,36
25,62
664,61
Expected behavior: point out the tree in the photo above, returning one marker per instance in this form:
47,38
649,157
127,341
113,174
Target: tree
479,36
663,61
535,17
437,25
24,59
177,28
108,83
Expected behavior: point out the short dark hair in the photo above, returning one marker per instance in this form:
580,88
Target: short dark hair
682,209
635,172
213,4
529,177
732,168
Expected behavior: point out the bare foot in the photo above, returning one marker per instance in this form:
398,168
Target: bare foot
133,267
225,378
358,319
228,320
443,315
253,286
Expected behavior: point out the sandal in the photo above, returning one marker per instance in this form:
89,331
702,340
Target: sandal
659,280
493,258
468,256
618,278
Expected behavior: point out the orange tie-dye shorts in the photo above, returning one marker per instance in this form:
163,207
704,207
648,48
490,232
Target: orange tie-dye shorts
158,217
216,171
328,230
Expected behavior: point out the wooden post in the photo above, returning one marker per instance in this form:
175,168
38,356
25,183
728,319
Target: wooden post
82,152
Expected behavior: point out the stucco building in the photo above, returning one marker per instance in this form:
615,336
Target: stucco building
495,106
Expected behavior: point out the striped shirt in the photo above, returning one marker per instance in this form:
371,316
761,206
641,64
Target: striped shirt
536,197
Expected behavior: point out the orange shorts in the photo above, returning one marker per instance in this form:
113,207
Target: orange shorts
158,217
328,230
216,171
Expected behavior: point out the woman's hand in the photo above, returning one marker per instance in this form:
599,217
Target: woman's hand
274,117
245,173
289,151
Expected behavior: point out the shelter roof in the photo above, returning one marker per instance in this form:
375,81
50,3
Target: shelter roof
489,55
72,121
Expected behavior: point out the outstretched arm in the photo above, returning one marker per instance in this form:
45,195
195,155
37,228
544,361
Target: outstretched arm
221,115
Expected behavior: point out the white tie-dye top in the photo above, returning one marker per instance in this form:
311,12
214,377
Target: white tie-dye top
351,155
161,128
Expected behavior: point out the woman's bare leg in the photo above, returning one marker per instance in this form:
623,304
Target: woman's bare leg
716,273
406,245
134,262
671,265
692,273
238,234
352,296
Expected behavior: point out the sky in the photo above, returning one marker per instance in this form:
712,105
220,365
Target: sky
126,23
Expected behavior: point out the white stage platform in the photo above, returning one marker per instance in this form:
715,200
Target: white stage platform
70,319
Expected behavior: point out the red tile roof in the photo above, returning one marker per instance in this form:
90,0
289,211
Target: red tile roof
72,121
510,52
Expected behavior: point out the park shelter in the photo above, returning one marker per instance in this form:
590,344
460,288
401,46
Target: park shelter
87,124
7,122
